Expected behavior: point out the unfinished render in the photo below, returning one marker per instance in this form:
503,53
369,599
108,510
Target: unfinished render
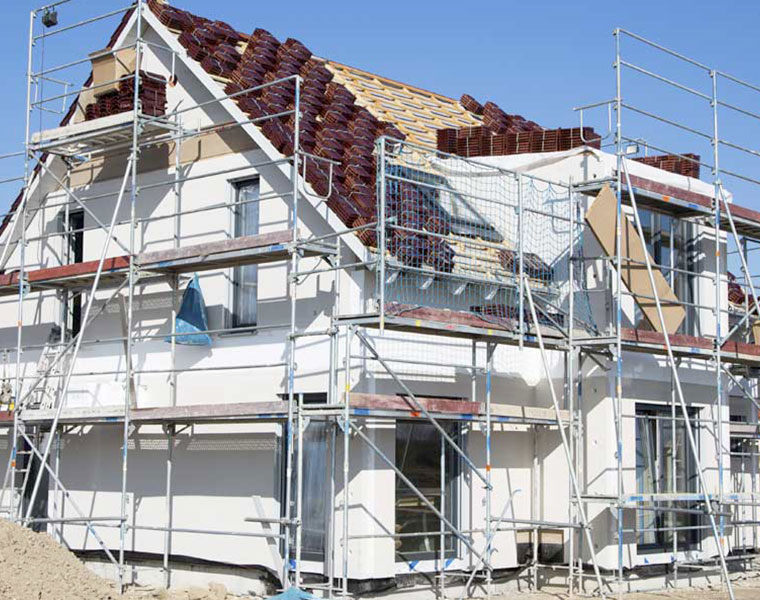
276,320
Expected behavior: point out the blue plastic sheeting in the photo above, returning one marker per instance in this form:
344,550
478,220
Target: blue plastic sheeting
192,317
294,593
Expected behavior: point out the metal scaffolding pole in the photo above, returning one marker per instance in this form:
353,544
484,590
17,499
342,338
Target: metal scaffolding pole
718,297
170,432
295,262
129,400
490,350
570,376
19,427
618,346
346,426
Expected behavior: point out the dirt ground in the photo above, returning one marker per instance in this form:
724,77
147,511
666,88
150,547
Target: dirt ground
744,589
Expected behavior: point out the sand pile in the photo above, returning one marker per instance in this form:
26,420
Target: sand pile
33,566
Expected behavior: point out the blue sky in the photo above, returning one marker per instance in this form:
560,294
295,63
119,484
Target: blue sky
538,59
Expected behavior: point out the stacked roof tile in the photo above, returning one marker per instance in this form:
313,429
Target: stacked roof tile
152,98
683,164
332,125
501,133
485,141
736,295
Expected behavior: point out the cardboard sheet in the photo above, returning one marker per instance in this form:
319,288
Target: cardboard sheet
601,217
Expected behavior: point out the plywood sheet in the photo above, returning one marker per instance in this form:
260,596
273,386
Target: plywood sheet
601,218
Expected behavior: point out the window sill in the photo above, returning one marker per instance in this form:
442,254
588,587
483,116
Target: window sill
250,330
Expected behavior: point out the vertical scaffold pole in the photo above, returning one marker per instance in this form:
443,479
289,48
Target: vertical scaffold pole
346,465
569,372
534,506
520,264
293,292
300,426
21,215
579,467
129,400
619,312
490,349
330,552
169,430
718,297
381,230
442,525
174,281
473,398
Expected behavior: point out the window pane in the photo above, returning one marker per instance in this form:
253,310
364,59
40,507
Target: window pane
657,235
73,253
245,278
315,488
664,464
418,456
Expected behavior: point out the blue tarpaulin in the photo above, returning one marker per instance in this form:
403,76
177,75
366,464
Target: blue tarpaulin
293,593
192,317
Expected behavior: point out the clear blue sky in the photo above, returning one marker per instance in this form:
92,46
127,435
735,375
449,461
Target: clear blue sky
538,59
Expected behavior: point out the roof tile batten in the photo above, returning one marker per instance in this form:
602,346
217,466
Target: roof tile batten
419,113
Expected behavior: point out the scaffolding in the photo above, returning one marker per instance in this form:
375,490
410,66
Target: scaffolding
639,129
461,249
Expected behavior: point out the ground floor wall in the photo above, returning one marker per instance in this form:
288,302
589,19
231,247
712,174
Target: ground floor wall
223,477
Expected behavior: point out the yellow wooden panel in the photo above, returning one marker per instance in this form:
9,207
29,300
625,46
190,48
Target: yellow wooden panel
111,66
417,113
601,217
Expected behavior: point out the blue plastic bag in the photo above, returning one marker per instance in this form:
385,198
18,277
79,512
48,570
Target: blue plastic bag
192,318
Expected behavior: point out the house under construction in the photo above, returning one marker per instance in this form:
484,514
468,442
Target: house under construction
275,320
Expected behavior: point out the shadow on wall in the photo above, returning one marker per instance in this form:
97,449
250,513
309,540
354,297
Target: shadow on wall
231,464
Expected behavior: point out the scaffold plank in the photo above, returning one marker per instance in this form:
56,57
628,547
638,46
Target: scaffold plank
362,404
254,249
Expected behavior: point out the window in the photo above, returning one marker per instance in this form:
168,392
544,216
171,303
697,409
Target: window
670,243
418,457
73,253
665,464
40,507
418,191
245,277
317,449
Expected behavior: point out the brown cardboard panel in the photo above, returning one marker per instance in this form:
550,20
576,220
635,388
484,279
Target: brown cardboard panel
201,147
756,332
601,218
109,67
